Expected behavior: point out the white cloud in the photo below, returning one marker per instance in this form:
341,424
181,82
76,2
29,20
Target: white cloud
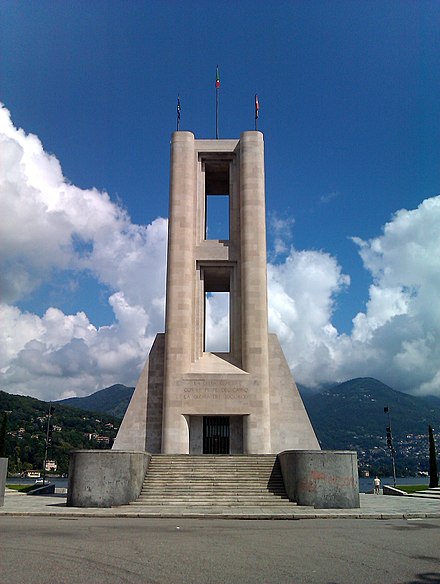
49,226
217,322
302,292
328,197
281,229
397,338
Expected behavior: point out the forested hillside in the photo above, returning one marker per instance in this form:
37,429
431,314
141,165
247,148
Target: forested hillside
112,400
70,428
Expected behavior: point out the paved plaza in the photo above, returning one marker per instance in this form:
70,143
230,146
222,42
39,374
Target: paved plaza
372,507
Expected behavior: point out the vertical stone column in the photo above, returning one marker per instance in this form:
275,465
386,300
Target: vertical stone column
254,288
180,278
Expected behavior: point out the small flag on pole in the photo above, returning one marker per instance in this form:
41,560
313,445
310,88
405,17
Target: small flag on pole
217,78
178,112
257,110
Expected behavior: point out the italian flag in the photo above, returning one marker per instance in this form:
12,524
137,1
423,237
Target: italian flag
217,78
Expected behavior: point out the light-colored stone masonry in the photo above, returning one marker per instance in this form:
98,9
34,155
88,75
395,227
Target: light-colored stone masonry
251,385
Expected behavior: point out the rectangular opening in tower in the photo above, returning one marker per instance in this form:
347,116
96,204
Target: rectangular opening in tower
217,199
217,309
217,335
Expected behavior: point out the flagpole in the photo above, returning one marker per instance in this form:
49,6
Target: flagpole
178,113
217,87
216,113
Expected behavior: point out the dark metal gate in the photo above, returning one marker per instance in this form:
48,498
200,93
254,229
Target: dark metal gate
215,435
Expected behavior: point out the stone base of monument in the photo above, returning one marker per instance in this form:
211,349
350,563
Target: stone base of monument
3,475
105,478
324,479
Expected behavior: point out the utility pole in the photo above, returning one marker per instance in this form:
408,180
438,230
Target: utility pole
390,443
48,440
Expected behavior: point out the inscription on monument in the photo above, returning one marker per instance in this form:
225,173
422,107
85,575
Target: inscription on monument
213,389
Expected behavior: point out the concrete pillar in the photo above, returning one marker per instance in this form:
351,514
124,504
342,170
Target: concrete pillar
254,287
180,281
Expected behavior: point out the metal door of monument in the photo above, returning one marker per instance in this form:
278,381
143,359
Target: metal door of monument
215,435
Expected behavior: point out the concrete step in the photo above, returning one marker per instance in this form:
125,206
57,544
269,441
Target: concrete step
203,481
204,497
177,504
213,480
213,488
212,493
212,500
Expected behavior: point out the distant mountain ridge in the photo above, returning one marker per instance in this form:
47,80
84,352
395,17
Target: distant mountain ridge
338,413
353,413
112,400
349,415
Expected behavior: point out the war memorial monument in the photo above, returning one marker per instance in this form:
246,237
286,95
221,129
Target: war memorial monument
190,400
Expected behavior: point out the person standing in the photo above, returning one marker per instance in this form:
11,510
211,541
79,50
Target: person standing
376,482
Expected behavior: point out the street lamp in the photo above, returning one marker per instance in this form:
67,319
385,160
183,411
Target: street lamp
390,443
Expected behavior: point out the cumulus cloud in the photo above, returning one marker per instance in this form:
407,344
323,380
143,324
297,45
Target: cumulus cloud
49,226
397,338
302,292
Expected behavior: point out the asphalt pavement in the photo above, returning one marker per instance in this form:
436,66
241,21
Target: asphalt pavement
111,550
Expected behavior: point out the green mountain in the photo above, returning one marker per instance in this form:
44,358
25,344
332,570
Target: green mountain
69,428
112,400
354,410
351,416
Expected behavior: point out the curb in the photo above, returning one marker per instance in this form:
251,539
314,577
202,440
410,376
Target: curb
229,516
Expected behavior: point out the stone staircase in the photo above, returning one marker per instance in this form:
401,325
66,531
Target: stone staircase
208,480
433,493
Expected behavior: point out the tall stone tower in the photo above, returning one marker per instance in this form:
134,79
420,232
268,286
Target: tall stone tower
189,399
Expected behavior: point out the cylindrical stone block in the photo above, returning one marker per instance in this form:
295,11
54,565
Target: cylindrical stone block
104,478
324,479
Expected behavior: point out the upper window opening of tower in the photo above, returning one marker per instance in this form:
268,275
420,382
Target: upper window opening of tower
217,199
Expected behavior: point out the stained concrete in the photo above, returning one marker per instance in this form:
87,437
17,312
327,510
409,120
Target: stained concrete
325,479
105,478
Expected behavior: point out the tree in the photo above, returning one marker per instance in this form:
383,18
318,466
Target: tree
433,471
3,435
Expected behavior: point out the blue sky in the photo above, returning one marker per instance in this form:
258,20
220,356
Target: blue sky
349,108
